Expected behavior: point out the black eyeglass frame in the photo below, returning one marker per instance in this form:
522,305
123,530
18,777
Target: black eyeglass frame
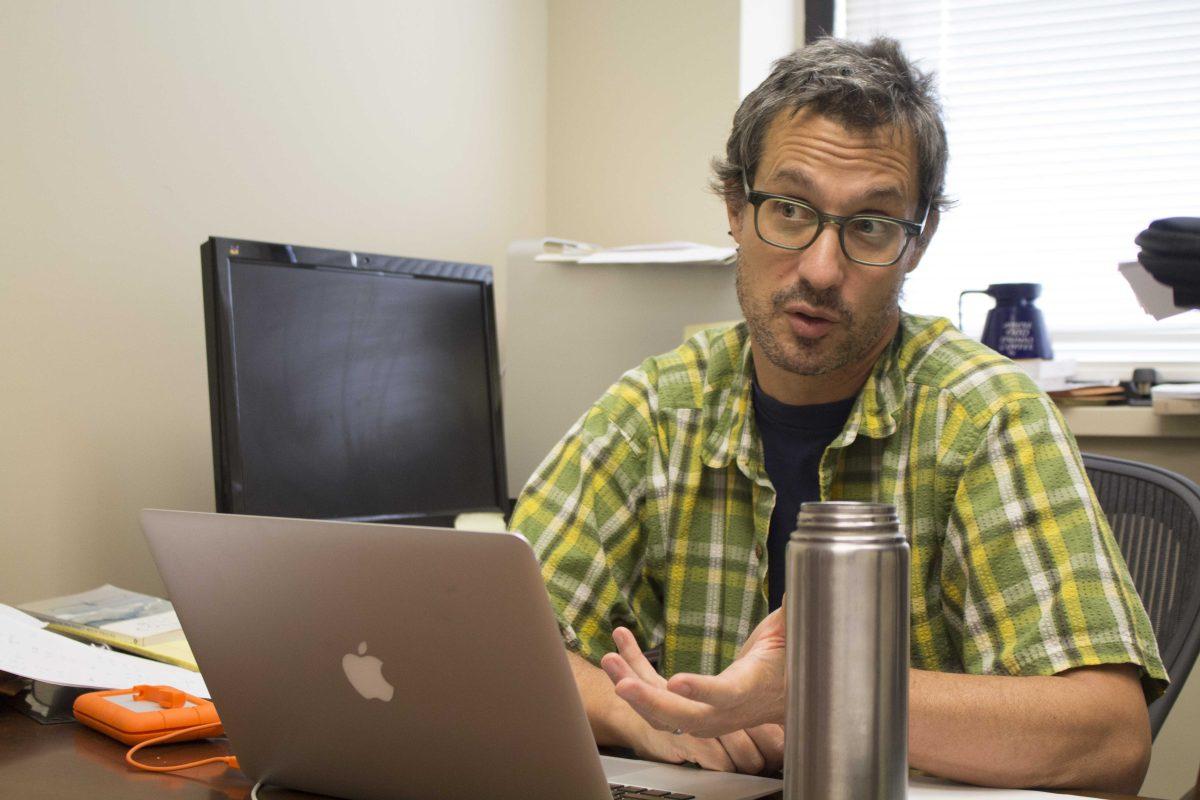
911,229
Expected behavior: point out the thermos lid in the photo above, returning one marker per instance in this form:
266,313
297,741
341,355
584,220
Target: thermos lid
838,518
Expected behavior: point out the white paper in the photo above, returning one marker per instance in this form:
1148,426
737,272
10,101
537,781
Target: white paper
1182,391
656,253
8,615
145,628
98,607
31,652
1156,299
663,253
564,250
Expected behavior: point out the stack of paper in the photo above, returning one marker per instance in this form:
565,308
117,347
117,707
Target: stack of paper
28,650
563,250
138,623
1100,393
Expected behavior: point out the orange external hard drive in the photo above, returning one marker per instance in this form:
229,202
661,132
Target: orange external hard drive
144,712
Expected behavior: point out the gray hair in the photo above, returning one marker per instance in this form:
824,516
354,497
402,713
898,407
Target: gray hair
860,86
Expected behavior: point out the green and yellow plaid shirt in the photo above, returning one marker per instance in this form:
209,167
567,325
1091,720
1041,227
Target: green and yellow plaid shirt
653,512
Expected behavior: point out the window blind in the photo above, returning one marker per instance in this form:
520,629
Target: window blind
1072,124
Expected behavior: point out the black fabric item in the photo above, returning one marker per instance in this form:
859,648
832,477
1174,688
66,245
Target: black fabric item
1171,254
1178,224
1174,272
1187,298
794,438
1169,243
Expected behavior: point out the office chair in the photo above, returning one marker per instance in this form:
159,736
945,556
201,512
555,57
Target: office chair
1155,516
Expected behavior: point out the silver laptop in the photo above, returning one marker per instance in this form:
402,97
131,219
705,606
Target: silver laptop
383,661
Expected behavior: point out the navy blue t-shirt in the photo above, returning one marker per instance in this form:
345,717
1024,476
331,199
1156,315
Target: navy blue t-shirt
794,438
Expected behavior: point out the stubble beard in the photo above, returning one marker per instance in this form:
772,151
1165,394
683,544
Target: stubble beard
771,331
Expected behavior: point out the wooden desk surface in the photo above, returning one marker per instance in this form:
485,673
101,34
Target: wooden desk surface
58,762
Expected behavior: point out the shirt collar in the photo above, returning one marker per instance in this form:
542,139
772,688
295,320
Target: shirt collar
733,435
877,412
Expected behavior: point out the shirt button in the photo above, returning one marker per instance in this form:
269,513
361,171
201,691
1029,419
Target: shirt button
758,551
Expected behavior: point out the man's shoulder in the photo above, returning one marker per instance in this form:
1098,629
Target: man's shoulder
692,376
711,359
934,354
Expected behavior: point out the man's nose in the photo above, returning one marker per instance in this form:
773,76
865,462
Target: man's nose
822,262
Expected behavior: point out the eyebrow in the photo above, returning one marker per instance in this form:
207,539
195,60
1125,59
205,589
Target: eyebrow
804,185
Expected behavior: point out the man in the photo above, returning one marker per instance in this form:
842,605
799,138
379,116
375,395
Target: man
662,517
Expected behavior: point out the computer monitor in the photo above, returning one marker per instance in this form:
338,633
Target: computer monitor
350,385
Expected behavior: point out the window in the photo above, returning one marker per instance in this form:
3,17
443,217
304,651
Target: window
1072,125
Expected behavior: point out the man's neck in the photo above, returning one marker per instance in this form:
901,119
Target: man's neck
803,390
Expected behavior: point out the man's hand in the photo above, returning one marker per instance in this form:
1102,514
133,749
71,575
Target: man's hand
756,750
1086,728
750,693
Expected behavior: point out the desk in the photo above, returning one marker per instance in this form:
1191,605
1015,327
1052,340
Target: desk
58,762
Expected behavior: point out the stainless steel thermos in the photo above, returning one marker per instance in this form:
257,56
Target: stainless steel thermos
847,654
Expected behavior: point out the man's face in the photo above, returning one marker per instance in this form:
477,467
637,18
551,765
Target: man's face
815,311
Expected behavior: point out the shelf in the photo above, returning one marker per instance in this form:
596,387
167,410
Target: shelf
1129,422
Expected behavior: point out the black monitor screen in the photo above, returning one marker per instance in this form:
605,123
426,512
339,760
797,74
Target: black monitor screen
351,386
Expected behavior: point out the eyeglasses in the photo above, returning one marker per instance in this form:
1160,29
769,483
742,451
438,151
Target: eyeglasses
872,239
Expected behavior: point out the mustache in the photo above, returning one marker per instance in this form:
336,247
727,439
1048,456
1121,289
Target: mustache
822,300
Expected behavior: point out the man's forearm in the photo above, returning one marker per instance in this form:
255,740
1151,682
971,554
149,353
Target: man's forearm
1084,729
611,718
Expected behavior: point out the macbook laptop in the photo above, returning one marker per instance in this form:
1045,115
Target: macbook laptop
383,661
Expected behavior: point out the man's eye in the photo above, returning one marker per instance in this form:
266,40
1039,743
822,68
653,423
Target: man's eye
790,212
868,227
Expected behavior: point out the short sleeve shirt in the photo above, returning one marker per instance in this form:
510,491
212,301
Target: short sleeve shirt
653,512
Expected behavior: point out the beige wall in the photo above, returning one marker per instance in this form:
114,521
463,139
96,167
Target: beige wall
134,130
641,96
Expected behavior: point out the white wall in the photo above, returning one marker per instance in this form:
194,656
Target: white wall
641,96
131,132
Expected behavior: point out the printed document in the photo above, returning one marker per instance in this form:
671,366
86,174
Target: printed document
26,649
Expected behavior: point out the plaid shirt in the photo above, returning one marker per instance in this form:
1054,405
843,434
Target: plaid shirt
653,512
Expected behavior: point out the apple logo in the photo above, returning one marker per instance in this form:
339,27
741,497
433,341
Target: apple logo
366,675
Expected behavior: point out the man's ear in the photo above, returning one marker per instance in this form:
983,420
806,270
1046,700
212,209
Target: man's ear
931,226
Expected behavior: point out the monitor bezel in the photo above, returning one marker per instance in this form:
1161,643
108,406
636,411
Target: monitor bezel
216,257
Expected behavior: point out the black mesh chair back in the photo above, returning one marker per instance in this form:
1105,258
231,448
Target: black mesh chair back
1155,516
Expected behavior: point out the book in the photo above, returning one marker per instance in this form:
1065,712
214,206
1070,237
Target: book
137,623
113,612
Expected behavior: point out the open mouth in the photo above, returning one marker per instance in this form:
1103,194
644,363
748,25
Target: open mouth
809,326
